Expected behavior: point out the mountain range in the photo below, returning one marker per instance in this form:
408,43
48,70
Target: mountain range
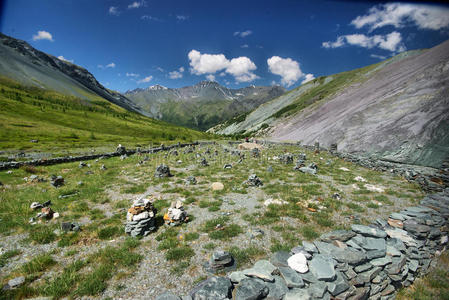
202,105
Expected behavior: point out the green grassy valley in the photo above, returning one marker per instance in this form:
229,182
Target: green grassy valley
58,121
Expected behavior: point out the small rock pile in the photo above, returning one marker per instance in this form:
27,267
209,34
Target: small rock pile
255,152
191,180
176,214
221,261
253,180
162,171
204,162
56,181
121,150
70,226
140,219
286,158
310,169
34,178
46,212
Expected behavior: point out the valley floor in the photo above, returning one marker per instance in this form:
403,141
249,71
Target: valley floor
101,261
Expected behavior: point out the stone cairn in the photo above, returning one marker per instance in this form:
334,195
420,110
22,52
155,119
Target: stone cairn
286,158
162,171
220,261
255,152
140,219
56,181
203,162
366,262
312,168
46,213
254,180
176,214
191,180
333,148
121,150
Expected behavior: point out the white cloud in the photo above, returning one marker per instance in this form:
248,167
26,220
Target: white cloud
146,79
160,69
287,68
244,46
150,18
132,74
65,59
391,42
378,56
113,10
309,77
243,34
241,67
176,74
43,35
182,18
111,65
210,77
401,14
137,4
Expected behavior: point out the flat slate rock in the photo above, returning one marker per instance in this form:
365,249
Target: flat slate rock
291,277
339,235
249,289
168,296
297,294
322,268
309,247
237,276
279,259
368,231
262,269
212,288
338,286
276,289
374,244
317,289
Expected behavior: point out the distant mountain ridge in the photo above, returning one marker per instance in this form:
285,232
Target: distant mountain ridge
202,105
23,63
396,110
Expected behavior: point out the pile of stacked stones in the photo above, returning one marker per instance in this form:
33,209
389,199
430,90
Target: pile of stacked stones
220,261
162,171
191,180
140,219
176,214
56,181
253,180
46,213
121,150
286,158
204,162
312,168
366,262
255,152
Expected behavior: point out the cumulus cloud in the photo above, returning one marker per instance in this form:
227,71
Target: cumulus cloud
137,4
111,65
176,74
403,14
65,59
391,42
241,67
43,35
243,34
146,79
210,77
287,68
309,77
113,10
132,74
244,46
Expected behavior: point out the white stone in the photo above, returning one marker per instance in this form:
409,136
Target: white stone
444,240
217,186
344,169
275,201
355,187
374,188
55,215
175,213
298,262
360,179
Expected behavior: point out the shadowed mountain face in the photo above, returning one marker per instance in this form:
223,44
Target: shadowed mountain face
26,65
396,110
203,105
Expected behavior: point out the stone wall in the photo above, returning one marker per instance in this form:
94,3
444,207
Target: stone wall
366,262
66,159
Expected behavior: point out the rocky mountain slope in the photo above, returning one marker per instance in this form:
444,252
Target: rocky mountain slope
31,67
202,105
396,110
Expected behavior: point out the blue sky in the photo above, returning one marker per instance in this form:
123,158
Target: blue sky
128,44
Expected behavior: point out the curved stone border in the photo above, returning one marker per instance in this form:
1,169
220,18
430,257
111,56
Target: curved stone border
366,262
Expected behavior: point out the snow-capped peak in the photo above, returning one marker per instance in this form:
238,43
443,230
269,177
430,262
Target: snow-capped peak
157,87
